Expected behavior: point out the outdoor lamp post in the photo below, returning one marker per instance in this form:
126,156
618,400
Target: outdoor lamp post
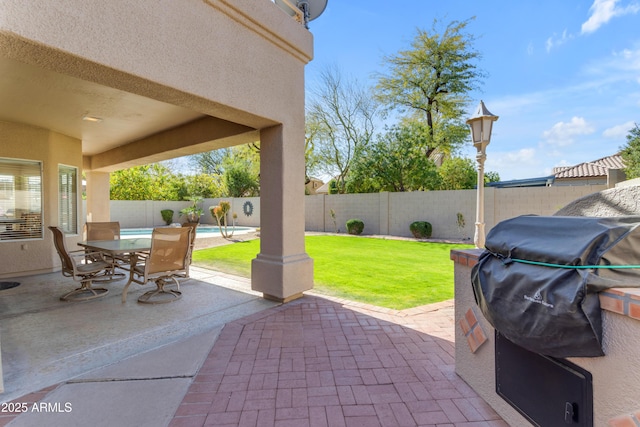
480,124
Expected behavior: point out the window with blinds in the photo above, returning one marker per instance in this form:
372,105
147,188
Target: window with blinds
68,199
20,199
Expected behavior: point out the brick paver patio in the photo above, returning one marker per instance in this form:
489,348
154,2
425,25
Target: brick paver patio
319,362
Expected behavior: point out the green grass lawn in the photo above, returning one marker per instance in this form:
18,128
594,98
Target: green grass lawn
395,274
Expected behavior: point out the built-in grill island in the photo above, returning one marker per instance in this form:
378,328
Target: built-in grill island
540,335
545,390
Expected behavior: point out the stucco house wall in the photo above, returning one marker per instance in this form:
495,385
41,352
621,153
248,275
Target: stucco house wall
52,149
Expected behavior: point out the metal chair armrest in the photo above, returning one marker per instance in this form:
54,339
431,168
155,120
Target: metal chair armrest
84,254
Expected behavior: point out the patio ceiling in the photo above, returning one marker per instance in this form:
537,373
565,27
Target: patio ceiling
42,98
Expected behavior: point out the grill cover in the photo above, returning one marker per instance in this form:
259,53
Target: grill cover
550,310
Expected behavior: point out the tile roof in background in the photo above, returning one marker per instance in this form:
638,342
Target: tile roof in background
590,169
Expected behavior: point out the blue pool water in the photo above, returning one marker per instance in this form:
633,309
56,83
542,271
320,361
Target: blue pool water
199,230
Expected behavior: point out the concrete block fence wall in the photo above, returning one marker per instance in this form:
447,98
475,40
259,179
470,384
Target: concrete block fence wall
382,213
144,214
392,213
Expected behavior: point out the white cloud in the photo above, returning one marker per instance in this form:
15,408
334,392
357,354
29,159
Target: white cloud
620,131
563,134
524,155
621,65
555,41
602,11
520,163
519,158
518,103
629,59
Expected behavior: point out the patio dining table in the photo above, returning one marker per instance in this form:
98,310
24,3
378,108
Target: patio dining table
119,247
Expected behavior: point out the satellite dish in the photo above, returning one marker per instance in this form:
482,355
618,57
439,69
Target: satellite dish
309,9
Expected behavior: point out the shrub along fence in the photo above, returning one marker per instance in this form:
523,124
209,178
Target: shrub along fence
451,213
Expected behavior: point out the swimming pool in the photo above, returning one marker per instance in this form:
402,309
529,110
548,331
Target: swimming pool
204,229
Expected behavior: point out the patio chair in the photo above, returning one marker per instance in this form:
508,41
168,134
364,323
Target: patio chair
166,262
102,230
108,231
82,267
193,226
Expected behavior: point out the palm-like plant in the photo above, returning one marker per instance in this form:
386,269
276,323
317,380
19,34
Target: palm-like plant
220,214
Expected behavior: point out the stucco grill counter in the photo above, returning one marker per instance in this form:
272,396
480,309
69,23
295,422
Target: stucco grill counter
537,284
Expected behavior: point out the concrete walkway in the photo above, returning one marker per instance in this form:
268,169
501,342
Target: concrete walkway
49,343
312,362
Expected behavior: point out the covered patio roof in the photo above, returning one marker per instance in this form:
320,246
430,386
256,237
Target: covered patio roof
93,87
114,89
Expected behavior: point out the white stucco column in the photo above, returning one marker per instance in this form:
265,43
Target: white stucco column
282,270
98,207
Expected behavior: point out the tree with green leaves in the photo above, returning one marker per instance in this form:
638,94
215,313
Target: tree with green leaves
210,162
491,176
311,158
631,153
157,182
240,182
333,187
207,186
233,171
340,119
242,170
458,173
432,81
397,161
148,182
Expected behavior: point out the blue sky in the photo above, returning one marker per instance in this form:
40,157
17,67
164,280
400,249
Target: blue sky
563,75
